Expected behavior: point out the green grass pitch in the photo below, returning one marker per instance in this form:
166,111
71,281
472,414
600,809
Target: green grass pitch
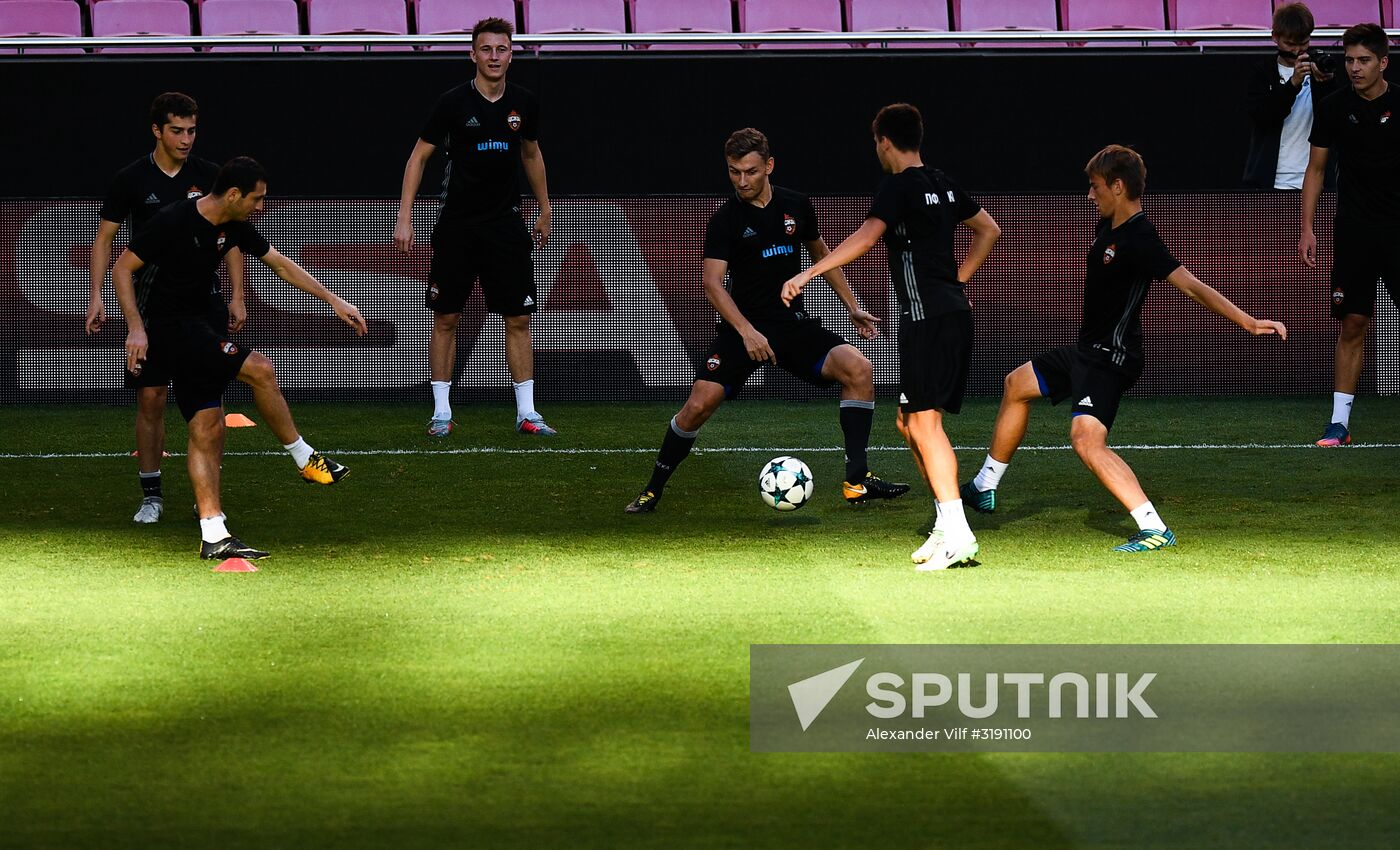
481,650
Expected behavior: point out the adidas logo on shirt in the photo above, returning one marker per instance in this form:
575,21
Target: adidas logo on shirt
472,122
749,231
903,399
529,302
152,199
1086,402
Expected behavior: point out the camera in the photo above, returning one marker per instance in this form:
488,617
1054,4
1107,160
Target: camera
1325,63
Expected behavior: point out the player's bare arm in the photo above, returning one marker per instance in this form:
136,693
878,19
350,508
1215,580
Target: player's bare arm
237,307
985,233
1312,190
412,179
123,281
836,279
854,247
754,342
101,256
302,279
1213,301
532,161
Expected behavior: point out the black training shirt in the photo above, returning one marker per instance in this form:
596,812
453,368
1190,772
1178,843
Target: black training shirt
921,208
1122,263
483,144
1364,135
182,252
141,189
763,248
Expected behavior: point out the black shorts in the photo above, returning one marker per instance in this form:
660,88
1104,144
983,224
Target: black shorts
495,252
155,375
1096,387
801,348
199,360
935,355
1359,257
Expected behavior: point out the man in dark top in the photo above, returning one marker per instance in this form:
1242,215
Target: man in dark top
1362,124
916,211
169,329
166,175
1282,98
757,237
487,126
1124,260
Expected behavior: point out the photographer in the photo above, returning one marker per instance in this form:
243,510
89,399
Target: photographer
1282,94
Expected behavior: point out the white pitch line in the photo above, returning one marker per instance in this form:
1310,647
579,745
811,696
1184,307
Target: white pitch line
492,450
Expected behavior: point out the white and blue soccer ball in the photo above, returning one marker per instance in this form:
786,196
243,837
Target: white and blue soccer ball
785,483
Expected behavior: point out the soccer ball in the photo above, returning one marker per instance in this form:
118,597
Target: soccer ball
785,483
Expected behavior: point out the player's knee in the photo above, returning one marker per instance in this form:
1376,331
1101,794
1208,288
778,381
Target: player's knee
259,371
1354,327
860,373
1087,437
517,324
445,322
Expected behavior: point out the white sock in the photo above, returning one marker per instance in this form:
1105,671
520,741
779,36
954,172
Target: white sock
525,400
212,530
1341,408
301,452
1147,518
990,475
442,408
952,519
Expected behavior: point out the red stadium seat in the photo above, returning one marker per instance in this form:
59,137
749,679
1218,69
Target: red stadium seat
899,16
1222,14
442,17
141,18
1341,14
546,17
238,17
676,16
36,18
1114,15
1008,16
337,17
760,16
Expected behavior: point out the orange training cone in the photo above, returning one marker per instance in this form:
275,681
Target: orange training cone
238,420
235,565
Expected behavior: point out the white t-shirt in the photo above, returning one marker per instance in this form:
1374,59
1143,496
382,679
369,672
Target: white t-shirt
1293,147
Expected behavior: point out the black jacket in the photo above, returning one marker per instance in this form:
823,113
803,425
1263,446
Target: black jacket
1268,103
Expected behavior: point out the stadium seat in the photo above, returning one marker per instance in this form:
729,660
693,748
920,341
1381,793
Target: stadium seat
1341,14
760,16
345,17
442,17
1007,16
663,16
238,17
1114,14
112,18
898,16
547,17
1222,14
40,18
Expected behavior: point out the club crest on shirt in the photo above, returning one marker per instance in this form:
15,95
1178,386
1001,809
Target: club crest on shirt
789,224
194,192
1109,253
219,243
228,348
1385,116
513,120
713,363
